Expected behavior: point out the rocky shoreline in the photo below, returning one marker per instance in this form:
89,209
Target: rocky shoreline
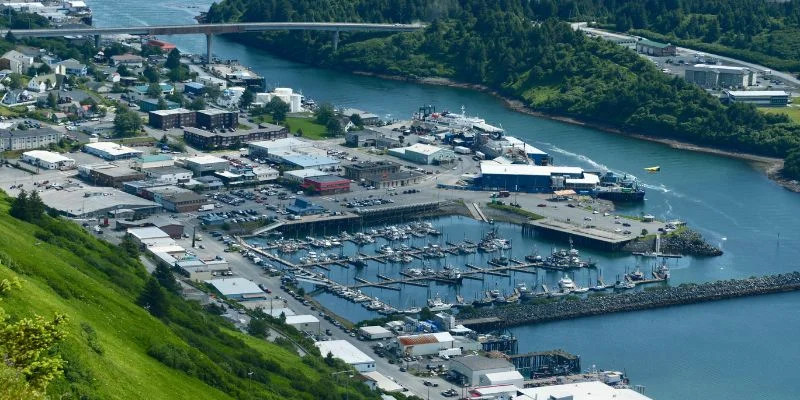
632,301
684,242
770,165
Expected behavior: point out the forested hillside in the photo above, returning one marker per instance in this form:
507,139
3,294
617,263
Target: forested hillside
512,47
110,330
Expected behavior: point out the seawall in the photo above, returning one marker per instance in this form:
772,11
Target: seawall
633,301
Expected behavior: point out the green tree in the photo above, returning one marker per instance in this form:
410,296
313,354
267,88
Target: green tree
52,100
173,59
162,104
257,327
15,81
19,207
325,113
123,70
299,132
279,109
153,299
334,128
197,104
43,69
127,122
129,246
356,120
247,98
151,74
165,278
212,91
153,90
791,164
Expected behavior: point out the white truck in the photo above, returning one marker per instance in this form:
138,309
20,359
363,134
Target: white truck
462,150
206,207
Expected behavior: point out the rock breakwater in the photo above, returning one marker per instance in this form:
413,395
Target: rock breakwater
632,301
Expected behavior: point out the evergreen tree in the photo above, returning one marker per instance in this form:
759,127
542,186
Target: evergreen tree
257,327
129,246
153,298
334,128
173,59
52,100
19,206
165,278
153,90
34,207
197,104
325,113
247,98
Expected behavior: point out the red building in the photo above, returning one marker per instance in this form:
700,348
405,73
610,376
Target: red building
326,184
165,47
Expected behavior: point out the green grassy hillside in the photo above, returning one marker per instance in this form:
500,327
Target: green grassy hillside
109,338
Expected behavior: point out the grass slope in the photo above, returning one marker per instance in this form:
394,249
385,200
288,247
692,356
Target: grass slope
792,112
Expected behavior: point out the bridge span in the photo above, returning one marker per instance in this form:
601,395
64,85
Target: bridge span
216,29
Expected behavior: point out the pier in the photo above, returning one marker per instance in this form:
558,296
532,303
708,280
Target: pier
581,235
546,363
633,301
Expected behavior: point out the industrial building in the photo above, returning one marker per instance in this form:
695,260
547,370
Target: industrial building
527,178
760,98
304,207
171,174
147,105
374,332
205,165
201,269
424,154
154,161
472,369
111,151
217,119
720,76
424,344
28,139
287,95
208,140
47,160
88,202
393,180
345,351
366,169
238,289
516,151
304,160
380,138
168,119
366,117
176,199
268,147
326,184
299,175
657,49
194,88
303,322
108,174
593,390
149,236
170,226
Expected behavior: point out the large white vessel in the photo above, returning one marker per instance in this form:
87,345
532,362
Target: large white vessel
566,284
436,304
456,121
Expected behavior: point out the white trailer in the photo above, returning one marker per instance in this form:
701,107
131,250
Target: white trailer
206,207
462,150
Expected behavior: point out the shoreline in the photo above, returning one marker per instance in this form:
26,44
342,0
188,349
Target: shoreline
770,166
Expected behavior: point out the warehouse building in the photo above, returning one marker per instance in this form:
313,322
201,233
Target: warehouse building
472,369
170,226
393,180
207,140
593,390
28,139
168,119
720,76
302,323
657,49
526,177
367,118
47,160
171,174
153,161
239,289
176,199
365,169
194,88
111,151
107,174
374,332
205,165
149,236
345,351
424,344
759,98
267,147
89,202
216,119
424,154
325,185
305,161
147,105
299,175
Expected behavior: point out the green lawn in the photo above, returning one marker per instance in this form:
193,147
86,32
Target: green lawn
792,112
311,129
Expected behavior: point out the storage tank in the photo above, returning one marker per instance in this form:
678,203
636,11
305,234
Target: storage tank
283,91
294,105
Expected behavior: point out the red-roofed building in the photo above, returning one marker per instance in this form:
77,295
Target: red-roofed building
326,184
165,47
424,344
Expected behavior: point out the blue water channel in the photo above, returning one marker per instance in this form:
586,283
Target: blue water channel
736,349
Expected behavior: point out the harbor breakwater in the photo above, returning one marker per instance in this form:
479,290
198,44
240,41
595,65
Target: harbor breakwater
632,301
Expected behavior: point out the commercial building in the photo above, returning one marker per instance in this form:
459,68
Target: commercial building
760,98
147,105
304,207
168,119
393,180
525,177
149,236
366,169
424,344
268,147
107,174
194,88
170,226
366,117
47,160
657,49
171,174
28,139
111,151
154,161
205,165
593,390
374,332
326,184
304,161
208,140
89,202
303,322
424,154
202,269
247,175
177,199
345,351
217,119
474,368
720,76
238,289
300,175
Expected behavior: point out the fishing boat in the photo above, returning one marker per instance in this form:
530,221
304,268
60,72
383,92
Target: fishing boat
624,285
636,275
374,305
534,257
502,260
662,272
436,304
566,284
487,300
619,188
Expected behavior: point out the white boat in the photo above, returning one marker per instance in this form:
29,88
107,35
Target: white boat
566,284
412,310
374,305
386,249
436,304
662,271
624,285
580,290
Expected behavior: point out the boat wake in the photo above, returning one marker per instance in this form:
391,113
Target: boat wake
585,159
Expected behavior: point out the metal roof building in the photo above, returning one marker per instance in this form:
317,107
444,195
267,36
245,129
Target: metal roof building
111,151
47,159
424,344
474,368
237,289
594,390
764,98
345,351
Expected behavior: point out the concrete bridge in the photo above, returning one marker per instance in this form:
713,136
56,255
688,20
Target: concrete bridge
216,29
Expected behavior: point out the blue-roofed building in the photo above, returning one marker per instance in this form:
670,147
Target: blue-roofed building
305,207
194,88
165,89
308,161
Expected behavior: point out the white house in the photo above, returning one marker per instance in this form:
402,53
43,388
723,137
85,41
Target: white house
41,84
